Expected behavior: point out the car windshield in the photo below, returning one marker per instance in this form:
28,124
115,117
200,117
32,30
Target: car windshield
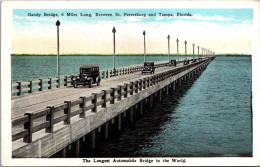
86,70
148,64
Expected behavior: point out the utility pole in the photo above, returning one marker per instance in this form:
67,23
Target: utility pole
177,48
58,52
114,53
193,50
198,51
168,37
144,47
185,49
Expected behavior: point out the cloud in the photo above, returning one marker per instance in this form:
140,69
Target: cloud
34,18
160,18
210,18
205,18
133,19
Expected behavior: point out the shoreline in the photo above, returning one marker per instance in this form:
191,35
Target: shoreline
162,54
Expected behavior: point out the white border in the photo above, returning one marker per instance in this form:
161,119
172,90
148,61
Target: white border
6,32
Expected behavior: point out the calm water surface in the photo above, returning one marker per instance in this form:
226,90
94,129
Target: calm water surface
211,117
33,67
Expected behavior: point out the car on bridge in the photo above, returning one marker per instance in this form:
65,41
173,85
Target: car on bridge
186,62
193,60
148,67
173,62
89,74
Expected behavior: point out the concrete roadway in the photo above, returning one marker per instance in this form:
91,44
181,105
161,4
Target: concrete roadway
40,100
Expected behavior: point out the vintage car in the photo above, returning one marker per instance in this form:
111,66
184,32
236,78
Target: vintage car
193,60
173,62
89,74
185,62
148,67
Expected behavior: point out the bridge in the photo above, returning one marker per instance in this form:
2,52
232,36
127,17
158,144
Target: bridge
48,115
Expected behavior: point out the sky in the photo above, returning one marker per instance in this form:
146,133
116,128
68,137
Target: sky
82,31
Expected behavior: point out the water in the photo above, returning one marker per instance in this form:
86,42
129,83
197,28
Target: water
33,67
210,117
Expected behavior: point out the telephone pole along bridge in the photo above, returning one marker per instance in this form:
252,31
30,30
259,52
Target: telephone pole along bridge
50,119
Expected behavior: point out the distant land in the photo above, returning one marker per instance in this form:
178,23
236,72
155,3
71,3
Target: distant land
157,54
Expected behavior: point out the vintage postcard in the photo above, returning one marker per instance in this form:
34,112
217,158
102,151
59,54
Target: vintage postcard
134,83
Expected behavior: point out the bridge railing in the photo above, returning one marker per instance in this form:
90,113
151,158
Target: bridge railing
26,125
24,87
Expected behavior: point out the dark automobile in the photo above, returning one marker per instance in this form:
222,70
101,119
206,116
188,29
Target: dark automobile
173,62
185,62
89,74
193,60
148,67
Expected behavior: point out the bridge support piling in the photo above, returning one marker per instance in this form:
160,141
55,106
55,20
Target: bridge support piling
93,139
119,122
141,107
151,101
160,95
106,130
64,152
77,151
167,89
131,114
112,121
179,81
173,85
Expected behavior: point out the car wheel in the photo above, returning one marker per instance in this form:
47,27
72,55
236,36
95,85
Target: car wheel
75,85
90,83
98,83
